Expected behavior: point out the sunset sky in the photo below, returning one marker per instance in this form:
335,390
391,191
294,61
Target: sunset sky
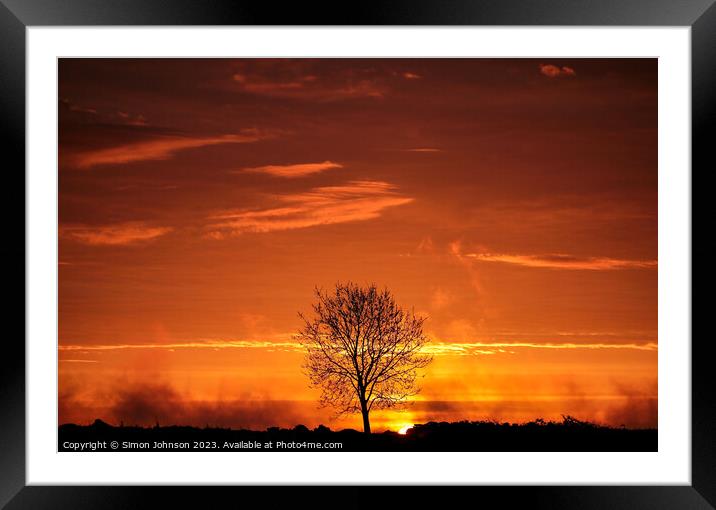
512,202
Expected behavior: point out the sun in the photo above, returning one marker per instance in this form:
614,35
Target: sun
404,429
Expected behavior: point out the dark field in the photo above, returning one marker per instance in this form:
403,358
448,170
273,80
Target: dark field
537,436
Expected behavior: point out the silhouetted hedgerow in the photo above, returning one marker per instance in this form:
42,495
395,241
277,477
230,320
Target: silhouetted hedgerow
570,434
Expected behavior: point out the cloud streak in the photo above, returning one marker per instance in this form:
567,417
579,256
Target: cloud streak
553,71
563,261
198,344
327,205
113,235
473,348
301,85
434,347
157,149
293,171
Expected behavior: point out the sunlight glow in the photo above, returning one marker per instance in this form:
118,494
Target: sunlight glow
404,429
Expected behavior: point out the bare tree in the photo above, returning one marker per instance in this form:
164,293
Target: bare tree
362,350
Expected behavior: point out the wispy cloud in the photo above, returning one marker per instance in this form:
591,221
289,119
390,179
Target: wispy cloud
424,149
472,348
562,261
434,347
553,71
309,86
328,205
118,117
441,298
73,107
158,148
264,85
198,344
411,76
131,119
293,171
113,235
455,249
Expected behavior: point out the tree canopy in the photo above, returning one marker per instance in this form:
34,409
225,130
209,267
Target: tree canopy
362,349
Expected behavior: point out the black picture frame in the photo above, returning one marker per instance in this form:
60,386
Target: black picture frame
17,15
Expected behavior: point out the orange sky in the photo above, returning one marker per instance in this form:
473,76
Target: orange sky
513,202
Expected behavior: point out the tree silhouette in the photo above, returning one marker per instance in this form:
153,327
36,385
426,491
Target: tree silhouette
362,349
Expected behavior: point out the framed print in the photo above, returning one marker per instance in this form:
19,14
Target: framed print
450,247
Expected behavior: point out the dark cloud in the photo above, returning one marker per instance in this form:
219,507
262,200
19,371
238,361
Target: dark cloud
149,404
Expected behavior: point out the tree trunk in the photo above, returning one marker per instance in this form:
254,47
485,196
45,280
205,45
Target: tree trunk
366,421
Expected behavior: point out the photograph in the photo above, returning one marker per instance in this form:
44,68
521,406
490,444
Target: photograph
357,254
300,253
